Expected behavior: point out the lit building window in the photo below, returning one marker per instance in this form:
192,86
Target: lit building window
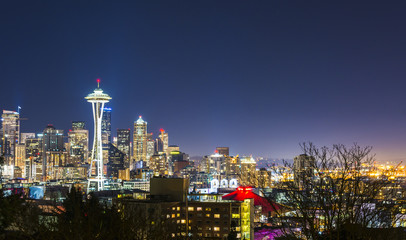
190,208
208,209
183,221
216,215
216,229
199,208
208,215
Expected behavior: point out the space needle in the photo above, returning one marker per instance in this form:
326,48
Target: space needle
98,99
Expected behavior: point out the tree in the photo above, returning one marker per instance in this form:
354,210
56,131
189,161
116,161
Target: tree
147,221
86,219
332,196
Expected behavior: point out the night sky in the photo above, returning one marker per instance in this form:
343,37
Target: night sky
257,77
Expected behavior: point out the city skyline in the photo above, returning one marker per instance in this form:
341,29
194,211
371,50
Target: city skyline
258,87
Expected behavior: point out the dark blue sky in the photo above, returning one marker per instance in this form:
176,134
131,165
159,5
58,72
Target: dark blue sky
257,77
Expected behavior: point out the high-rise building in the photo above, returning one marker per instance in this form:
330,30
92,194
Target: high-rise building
159,145
140,140
159,164
163,136
223,151
177,161
123,144
303,169
248,171
172,148
106,127
33,147
264,178
116,162
150,147
78,139
233,166
54,153
11,134
214,164
33,164
52,139
98,99
106,133
25,136
78,125
20,159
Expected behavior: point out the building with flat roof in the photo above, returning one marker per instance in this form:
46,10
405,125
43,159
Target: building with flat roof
223,151
181,217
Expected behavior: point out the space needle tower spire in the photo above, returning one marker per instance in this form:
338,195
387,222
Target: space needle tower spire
98,99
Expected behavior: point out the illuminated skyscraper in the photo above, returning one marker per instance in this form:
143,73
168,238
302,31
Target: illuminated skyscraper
106,133
78,125
214,164
248,171
150,146
140,140
78,140
20,159
11,133
165,141
106,127
123,144
159,164
53,151
25,136
33,156
33,147
98,99
233,166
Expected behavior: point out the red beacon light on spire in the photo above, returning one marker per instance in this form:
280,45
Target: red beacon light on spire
162,130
